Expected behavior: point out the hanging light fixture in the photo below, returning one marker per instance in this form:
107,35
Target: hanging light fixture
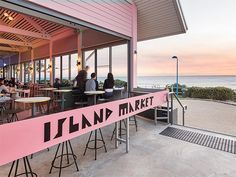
5,14
10,18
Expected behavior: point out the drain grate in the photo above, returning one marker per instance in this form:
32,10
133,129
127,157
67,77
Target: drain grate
222,144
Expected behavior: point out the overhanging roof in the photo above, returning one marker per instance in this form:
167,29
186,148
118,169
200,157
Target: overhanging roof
159,18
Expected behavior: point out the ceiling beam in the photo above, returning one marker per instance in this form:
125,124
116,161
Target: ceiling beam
11,42
34,24
8,29
9,49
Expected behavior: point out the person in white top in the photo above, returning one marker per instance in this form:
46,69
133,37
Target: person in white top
3,88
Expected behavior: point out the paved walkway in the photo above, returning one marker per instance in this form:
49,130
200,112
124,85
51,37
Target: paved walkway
210,115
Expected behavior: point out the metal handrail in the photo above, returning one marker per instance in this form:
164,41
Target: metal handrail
184,107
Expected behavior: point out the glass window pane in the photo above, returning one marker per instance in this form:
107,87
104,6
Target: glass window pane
26,72
74,68
65,67
57,66
47,71
42,71
102,64
119,62
36,70
23,72
12,70
90,61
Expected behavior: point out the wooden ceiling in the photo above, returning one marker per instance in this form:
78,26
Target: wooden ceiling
18,32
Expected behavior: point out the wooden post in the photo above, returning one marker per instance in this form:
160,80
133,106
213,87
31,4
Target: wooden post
19,73
79,47
51,62
32,65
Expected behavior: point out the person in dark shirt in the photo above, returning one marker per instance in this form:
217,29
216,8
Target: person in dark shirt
79,85
57,83
108,85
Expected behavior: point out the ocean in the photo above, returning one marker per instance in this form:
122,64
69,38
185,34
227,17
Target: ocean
189,81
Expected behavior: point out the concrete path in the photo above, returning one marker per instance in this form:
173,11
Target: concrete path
210,115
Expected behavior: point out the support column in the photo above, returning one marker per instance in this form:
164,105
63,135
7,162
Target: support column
80,63
32,66
51,66
110,59
19,73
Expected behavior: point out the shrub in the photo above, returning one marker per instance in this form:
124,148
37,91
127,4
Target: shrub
120,83
215,93
66,83
181,89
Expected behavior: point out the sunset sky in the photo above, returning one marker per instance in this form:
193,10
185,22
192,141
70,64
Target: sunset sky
208,47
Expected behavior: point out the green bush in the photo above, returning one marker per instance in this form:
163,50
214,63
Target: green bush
215,93
181,89
120,83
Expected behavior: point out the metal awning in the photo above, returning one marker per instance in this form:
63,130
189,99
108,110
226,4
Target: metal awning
159,18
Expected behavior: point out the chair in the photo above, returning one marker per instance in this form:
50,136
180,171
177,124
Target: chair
56,101
26,93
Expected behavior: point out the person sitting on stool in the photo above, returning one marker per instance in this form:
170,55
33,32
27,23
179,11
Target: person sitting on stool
108,86
91,85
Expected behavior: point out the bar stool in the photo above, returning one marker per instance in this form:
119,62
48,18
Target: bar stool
135,123
95,140
120,129
28,170
64,147
12,114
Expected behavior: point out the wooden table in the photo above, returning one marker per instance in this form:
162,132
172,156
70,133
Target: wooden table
62,97
94,94
33,101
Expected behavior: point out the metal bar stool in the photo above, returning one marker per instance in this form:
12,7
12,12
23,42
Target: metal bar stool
95,142
65,146
28,170
134,120
120,129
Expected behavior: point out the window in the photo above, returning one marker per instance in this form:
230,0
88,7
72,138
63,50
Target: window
22,72
119,62
102,64
36,71
73,66
90,61
57,67
47,76
7,72
42,71
65,67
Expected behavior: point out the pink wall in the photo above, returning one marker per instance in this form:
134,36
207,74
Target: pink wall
112,15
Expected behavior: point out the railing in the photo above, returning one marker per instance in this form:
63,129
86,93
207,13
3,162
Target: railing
184,107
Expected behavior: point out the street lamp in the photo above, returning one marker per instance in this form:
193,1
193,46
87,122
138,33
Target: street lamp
177,75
